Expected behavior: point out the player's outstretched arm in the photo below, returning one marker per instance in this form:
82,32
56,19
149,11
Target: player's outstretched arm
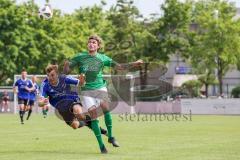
129,65
119,66
137,63
66,67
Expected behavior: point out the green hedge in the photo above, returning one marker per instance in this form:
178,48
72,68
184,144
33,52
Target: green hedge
236,92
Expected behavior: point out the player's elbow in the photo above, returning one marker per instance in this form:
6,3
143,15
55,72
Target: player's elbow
66,68
66,71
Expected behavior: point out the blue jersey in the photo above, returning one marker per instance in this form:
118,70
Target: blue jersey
61,95
32,94
22,84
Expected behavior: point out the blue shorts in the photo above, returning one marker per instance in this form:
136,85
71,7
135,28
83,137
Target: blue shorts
31,102
65,109
22,101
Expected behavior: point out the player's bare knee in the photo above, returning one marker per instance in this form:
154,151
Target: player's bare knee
77,109
75,124
21,107
93,112
104,105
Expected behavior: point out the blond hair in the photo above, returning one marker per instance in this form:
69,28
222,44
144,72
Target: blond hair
98,39
51,67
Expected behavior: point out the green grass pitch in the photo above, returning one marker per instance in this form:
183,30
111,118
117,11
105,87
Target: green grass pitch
203,138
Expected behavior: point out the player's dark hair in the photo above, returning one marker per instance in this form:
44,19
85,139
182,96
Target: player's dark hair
24,70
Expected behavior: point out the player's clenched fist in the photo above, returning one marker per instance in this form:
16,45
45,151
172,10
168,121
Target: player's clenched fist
81,79
42,102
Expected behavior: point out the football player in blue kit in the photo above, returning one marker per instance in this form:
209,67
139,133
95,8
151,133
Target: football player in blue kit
23,84
32,95
56,90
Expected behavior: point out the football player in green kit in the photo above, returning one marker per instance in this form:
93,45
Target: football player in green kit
94,93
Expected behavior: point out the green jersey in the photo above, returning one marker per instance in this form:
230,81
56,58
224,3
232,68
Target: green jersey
92,66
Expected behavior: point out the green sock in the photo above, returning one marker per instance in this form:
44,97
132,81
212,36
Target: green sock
44,112
97,132
108,122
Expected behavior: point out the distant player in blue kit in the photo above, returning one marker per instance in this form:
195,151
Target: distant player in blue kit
23,84
45,107
32,95
56,90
